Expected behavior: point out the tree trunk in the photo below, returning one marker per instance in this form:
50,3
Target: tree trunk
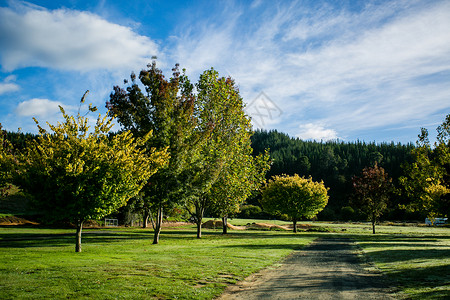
78,237
224,225
295,225
373,223
199,228
158,223
373,227
199,216
145,219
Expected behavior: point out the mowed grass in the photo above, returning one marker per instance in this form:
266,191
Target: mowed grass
123,264
415,260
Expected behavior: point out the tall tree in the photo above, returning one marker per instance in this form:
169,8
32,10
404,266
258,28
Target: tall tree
427,177
372,190
221,111
294,196
168,108
75,174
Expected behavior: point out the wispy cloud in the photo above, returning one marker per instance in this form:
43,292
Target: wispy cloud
68,40
350,69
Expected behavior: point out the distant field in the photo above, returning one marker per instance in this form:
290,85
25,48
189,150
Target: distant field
122,263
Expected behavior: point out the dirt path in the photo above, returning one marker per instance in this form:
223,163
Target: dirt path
329,268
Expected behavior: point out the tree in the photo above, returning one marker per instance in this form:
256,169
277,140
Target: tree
167,107
295,196
74,174
243,175
226,154
427,177
6,161
372,190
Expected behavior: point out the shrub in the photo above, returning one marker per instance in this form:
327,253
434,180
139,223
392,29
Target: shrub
250,212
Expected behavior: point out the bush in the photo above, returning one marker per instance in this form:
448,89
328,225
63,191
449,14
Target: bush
250,212
327,214
347,213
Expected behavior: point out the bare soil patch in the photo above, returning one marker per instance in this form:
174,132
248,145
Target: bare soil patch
15,221
213,224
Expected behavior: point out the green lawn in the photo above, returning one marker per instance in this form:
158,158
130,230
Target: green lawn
415,260
122,263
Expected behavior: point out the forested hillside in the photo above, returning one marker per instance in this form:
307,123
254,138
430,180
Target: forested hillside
334,162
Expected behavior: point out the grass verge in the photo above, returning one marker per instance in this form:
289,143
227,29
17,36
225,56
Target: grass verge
414,260
123,264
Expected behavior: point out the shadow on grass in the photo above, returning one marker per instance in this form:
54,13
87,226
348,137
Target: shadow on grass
394,255
426,281
105,236
430,282
24,240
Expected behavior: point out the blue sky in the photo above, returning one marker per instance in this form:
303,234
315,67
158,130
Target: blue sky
367,70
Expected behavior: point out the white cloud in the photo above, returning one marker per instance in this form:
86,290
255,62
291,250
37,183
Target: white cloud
8,85
316,132
38,108
68,40
352,70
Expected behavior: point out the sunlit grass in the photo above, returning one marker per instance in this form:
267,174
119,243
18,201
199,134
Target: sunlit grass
415,260
122,263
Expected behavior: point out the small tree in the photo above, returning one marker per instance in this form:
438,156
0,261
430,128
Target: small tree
372,190
75,174
294,196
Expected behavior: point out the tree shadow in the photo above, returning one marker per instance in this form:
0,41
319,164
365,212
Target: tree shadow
394,255
435,277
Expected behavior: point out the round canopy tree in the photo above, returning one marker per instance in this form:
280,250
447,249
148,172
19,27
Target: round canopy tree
294,196
75,174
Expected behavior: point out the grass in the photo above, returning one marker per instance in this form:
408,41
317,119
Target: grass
416,261
123,264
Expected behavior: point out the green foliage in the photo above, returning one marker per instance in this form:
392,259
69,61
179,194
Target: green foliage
226,171
6,161
372,189
168,108
295,196
74,174
347,213
427,178
250,211
334,162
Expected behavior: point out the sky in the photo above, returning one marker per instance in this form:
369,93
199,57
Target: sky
374,71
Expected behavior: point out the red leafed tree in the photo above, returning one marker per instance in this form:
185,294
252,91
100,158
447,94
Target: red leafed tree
372,189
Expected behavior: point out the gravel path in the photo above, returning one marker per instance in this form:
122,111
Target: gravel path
329,268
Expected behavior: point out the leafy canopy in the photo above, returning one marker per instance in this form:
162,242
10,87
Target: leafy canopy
427,180
295,196
76,174
372,190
